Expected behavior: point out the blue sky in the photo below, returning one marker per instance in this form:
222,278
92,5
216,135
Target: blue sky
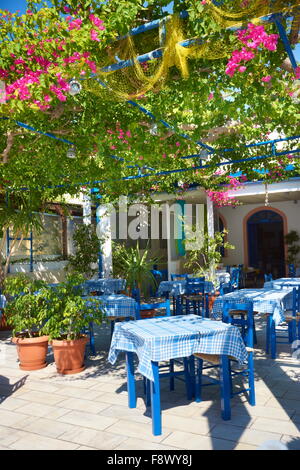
14,5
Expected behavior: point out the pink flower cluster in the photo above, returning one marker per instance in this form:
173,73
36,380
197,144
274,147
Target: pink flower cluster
256,36
235,60
297,73
97,22
74,24
253,37
222,198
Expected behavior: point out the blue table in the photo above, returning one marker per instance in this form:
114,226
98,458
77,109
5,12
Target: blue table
271,301
107,286
282,282
163,339
178,288
114,307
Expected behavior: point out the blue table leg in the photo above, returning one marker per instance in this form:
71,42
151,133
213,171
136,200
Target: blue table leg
225,388
112,327
273,338
178,308
92,338
171,370
155,401
268,334
130,380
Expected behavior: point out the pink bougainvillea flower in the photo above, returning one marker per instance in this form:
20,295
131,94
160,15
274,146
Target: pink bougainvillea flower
242,68
177,144
266,79
141,157
297,73
164,155
94,35
210,96
97,22
75,24
113,147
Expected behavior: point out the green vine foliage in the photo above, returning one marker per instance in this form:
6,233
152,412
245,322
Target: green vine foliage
223,111
87,245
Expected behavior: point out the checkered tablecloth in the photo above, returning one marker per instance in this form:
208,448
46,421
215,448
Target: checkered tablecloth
108,286
180,287
2,301
116,305
282,283
273,301
162,339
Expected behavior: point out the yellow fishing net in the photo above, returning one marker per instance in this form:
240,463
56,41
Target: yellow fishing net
138,78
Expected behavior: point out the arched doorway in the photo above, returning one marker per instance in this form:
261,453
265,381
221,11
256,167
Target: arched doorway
265,235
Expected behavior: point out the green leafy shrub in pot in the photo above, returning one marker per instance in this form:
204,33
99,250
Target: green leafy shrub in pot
26,312
69,314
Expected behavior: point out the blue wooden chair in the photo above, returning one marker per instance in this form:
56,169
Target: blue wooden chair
168,370
268,277
227,373
235,278
195,296
225,288
275,335
291,270
178,277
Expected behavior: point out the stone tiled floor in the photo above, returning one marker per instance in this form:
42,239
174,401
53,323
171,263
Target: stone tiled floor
43,410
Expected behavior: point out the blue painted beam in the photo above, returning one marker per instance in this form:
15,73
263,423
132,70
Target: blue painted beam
283,36
165,172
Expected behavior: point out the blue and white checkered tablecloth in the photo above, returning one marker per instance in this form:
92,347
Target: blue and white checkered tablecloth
162,339
273,301
180,287
282,283
108,286
116,305
2,301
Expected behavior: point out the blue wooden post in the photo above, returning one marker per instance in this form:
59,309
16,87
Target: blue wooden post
100,260
225,388
282,32
155,401
130,380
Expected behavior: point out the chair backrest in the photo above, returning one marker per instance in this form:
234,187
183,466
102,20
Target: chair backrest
195,285
178,277
292,270
225,288
235,277
136,294
158,305
268,277
245,322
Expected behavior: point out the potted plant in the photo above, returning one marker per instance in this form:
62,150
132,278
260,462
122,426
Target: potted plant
136,267
69,315
25,311
203,259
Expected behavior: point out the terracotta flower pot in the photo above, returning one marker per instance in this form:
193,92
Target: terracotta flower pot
69,355
32,352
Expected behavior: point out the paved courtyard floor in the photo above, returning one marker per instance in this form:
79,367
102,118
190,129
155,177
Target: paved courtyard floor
44,410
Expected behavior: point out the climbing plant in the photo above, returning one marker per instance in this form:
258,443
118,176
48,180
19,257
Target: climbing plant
225,99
